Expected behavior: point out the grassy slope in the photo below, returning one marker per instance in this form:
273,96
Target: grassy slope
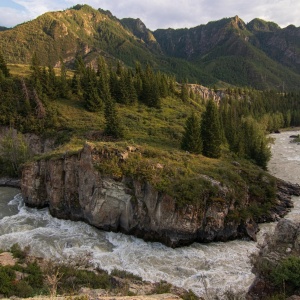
157,134
89,33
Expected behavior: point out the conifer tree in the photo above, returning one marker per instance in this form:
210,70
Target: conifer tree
3,66
35,67
91,97
76,85
103,82
80,66
192,140
114,86
150,91
123,88
112,124
64,87
211,131
131,91
184,93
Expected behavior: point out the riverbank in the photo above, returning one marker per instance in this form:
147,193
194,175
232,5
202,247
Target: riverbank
10,182
24,276
173,199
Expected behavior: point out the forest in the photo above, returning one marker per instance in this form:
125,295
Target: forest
238,123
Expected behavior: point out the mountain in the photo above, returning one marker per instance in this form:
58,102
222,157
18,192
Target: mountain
260,53
84,31
225,52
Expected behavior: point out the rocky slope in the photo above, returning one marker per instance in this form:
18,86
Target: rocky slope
278,247
74,189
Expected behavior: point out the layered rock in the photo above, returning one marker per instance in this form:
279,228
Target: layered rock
284,243
73,189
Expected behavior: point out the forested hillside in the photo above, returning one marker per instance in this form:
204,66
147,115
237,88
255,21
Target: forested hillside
221,53
79,88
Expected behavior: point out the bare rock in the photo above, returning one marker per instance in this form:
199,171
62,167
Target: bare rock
73,189
7,259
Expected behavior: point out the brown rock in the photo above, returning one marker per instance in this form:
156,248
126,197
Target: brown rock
7,259
73,189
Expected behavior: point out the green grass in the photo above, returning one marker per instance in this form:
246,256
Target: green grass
23,70
157,133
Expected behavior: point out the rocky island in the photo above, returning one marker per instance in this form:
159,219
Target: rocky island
74,187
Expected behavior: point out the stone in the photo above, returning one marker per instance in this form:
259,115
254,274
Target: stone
7,259
277,246
123,155
285,231
73,189
131,149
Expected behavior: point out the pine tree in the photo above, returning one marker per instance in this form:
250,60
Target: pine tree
3,66
184,94
91,97
35,67
211,131
112,123
192,140
104,80
80,68
64,87
150,92
132,94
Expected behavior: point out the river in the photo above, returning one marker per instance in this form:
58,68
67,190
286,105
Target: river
207,269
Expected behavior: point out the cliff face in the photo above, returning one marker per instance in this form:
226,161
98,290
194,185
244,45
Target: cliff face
277,248
74,189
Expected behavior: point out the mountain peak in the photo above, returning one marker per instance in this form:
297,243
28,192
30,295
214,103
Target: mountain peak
139,29
237,22
259,25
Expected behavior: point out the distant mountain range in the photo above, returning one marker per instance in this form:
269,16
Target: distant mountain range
227,52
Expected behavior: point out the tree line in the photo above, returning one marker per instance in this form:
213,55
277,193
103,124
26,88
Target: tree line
239,122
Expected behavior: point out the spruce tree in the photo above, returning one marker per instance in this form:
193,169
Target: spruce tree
91,96
3,66
36,70
192,140
184,93
211,131
132,93
112,124
64,87
104,80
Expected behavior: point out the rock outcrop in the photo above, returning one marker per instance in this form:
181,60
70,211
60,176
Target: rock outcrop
283,243
73,189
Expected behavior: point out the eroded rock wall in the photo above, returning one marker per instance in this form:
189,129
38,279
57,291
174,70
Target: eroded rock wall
73,189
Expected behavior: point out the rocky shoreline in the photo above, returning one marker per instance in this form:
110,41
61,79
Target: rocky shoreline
10,182
283,244
73,189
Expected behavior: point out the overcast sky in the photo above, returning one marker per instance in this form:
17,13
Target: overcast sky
162,13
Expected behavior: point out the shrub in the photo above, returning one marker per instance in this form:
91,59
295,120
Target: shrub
125,274
288,271
162,288
7,276
72,280
17,252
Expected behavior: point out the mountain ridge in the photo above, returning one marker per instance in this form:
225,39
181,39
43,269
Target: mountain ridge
258,54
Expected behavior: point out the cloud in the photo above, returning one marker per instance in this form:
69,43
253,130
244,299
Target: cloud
168,13
11,17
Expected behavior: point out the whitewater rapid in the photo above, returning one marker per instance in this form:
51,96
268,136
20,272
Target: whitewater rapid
207,269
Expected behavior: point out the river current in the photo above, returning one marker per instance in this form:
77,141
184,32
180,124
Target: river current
207,269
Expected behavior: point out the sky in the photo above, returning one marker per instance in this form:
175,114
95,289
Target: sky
162,13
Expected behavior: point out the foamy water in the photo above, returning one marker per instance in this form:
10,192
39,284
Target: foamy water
204,268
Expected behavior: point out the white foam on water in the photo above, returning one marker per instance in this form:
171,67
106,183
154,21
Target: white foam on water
217,264
205,268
